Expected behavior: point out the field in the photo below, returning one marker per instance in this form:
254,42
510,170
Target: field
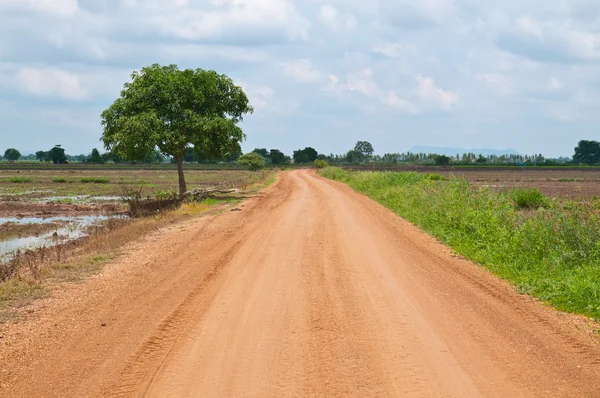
59,207
581,183
65,183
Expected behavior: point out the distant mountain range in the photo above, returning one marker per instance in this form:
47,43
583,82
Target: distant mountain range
453,151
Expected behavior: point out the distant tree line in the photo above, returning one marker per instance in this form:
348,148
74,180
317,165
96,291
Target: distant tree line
586,153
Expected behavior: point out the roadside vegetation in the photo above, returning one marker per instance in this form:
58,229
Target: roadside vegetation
548,248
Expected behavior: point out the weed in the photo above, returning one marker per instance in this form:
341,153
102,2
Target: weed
60,180
321,164
529,198
19,180
94,180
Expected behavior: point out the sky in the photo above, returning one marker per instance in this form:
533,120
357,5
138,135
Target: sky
520,74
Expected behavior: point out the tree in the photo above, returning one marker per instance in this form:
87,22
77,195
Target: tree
252,160
587,152
12,155
322,157
95,157
42,156
353,156
57,155
171,109
306,155
442,160
481,159
262,152
277,157
364,148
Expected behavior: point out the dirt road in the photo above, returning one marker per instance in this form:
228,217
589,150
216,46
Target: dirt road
310,290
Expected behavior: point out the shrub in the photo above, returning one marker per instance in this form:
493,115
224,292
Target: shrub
20,180
94,180
529,198
60,180
321,164
252,160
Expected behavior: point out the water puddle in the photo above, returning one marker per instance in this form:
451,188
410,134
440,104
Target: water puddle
75,228
81,199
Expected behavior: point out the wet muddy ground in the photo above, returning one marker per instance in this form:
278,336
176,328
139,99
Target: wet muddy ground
50,206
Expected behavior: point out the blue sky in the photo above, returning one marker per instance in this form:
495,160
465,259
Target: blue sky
460,73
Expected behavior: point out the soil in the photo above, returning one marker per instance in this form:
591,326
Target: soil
310,290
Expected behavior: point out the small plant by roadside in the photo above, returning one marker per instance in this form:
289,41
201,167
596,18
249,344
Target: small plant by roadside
19,180
94,180
529,198
321,164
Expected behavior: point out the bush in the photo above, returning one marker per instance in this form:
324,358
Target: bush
252,160
20,180
94,180
60,180
529,198
321,164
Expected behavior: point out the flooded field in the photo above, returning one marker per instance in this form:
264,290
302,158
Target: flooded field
60,230
49,206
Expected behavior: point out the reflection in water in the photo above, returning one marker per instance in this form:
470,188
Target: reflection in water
76,228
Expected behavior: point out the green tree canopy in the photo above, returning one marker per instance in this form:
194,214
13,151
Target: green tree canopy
353,156
42,156
306,155
252,160
171,109
95,157
12,155
587,152
442,160
277,157
364,148
57,155
262,152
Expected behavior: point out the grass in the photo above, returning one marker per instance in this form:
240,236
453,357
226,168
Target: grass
529,198
19,180
551,251
61,180
94,180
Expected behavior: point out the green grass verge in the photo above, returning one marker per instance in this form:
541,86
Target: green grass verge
551,251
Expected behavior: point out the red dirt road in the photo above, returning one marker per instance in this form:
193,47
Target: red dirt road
310,290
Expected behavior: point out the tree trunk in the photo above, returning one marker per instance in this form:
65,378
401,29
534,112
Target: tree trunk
182,186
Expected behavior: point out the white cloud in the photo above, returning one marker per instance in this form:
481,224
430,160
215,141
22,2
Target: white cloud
364,83
265,100
301,70
334,19
529,26
61,8
395,50
430,92
51,83
497,81
230,18
395,101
